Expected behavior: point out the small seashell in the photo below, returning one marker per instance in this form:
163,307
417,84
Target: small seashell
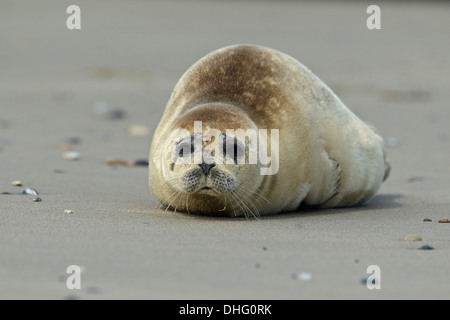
444,221
17,183
71,155
116,162
65,147
37,199
304,276
68,211
30,191
414,179
427,220
412,238
138,130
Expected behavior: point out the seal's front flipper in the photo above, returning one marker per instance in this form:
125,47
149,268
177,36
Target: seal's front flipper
333,182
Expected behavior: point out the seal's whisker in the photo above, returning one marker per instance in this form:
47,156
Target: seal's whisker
237,201
174,197
259,194
247,196
245,207
186,203
255,212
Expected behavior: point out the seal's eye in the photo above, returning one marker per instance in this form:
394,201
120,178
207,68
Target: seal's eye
184,149
233,149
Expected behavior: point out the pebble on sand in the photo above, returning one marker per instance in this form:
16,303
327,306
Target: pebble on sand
444,221
116,162
139,163
412,237
139,130
71,155
426,247
17,183
65,147
427,220
72,140
123,163
37,199
414,179
30,191
68,211
304,276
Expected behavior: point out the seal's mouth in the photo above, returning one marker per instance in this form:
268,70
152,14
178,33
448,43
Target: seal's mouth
206,190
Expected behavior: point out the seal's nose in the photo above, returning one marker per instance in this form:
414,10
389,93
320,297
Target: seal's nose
206,167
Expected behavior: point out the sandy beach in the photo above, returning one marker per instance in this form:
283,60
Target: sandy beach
100,92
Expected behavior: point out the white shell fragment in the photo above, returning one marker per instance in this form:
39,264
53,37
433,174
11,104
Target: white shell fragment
139,130
68,211
17,183
30,191
71,155
304,276
412,237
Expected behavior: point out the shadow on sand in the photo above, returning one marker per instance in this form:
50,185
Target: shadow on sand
379,202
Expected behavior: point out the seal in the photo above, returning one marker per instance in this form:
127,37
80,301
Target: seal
210,151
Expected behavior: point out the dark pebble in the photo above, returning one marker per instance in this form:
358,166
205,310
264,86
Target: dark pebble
141,162
116,114
426,247
6,192
93,290
72,140
364,280
37,199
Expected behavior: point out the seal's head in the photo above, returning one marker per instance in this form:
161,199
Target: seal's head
207,161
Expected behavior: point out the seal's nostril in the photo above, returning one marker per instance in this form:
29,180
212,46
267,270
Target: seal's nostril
206,167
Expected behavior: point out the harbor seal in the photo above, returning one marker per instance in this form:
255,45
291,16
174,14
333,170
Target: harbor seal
209,153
